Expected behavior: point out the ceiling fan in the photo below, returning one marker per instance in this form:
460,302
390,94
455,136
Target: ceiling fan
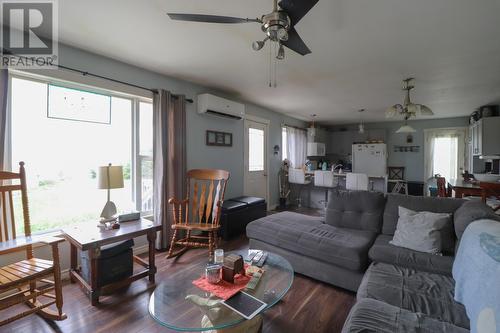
279,25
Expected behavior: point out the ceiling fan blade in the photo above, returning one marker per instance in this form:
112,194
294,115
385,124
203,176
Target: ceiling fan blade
295,43
297,9
209,18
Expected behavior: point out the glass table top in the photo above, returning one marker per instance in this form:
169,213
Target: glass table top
201,311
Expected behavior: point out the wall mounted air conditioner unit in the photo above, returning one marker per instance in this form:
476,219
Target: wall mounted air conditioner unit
218,106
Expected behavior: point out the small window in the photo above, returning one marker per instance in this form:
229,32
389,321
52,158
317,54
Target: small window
284,146
255,149
445,159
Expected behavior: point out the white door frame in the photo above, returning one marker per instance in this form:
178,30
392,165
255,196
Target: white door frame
267,123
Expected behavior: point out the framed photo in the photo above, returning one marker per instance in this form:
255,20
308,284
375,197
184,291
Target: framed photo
221,139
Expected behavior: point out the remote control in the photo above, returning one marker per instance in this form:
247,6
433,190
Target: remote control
257,257
262,260
254,281
250,256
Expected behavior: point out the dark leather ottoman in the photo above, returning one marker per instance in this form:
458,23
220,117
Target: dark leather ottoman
238,212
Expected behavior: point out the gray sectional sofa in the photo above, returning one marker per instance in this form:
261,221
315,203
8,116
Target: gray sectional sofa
398,290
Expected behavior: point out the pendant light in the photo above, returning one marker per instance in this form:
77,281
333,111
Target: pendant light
406,128
312,130
361,125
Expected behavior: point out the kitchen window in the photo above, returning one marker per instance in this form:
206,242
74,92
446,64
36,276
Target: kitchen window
64,132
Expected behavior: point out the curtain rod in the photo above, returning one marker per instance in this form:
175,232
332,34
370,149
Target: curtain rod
296,127
84,73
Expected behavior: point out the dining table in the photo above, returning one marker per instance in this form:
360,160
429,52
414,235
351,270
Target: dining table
462,188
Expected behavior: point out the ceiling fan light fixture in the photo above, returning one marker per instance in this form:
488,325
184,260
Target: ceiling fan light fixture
258,45
281,53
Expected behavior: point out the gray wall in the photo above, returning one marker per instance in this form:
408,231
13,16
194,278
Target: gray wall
413,162
198,154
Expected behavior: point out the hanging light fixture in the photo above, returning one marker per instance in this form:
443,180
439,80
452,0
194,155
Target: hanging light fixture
406,128
312,130
408,109
361,126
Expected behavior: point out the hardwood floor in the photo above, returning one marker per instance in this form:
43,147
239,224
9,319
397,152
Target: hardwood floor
310,306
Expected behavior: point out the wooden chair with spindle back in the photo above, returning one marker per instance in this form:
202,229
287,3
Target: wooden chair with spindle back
27,281
490,190
199,212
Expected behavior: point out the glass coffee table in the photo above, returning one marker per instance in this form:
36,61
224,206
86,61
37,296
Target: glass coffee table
179,305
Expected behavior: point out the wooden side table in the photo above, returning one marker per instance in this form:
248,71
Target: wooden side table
88,237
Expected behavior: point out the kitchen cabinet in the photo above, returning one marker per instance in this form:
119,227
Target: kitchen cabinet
484,136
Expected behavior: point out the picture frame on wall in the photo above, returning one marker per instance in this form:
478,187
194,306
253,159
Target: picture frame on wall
220,139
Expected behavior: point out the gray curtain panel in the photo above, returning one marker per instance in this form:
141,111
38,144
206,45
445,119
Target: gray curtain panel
4,86
169,158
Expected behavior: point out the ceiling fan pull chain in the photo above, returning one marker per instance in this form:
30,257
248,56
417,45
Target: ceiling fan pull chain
270,63
276,68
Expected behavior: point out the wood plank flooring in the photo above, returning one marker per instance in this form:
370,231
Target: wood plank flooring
310,306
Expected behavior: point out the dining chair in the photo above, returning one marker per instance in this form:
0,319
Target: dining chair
490,190
199,212
26,281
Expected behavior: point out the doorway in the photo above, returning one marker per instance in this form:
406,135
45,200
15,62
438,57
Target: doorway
256,180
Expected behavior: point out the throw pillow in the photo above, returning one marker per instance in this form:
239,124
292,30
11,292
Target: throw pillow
420,231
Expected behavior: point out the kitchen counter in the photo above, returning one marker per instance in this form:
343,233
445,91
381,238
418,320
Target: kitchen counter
313,196
343,174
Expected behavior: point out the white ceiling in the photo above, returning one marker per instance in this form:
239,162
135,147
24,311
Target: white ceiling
361,50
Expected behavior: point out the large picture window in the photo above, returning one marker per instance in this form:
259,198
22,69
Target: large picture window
63,135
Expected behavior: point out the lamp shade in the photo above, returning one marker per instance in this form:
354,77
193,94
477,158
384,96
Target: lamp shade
406,129
109,177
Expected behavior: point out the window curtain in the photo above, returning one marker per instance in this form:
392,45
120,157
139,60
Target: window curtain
459,150
296,146
169,158
4,86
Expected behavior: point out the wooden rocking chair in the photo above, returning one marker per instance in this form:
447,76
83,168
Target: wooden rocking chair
199,212
26,281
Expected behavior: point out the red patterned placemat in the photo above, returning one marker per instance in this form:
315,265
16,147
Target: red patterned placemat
223,289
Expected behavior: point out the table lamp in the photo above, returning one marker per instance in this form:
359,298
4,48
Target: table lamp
109,177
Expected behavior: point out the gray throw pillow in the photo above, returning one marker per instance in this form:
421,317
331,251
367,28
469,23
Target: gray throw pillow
420,231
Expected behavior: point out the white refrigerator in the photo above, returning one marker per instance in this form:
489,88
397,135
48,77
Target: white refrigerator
370,159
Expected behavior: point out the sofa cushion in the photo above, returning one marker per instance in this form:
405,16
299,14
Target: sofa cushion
382,251
420,231
469,212
419,204
369,315
361,210
413,290
311,237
